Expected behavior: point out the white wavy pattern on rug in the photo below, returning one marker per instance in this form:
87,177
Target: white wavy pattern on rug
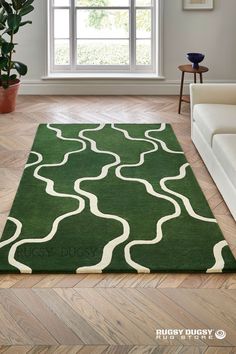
149,188
185,200
161,142
49,190
40,159
110,246
219,260
16,234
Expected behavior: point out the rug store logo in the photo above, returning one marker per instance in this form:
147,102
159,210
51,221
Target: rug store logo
65,252
189,334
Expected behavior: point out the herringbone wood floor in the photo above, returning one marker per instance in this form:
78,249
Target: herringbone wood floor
116,313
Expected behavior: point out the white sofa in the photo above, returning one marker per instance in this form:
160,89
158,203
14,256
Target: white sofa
213,131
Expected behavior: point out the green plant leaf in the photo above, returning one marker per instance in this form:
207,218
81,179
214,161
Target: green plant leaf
4,81
2,40
26,10
25,23
7,7
13,21
20,67
4,77
9,31
13,77
27,3
3,62
3,16
7,47
11,12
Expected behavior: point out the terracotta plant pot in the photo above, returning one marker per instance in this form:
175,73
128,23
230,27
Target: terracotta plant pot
8,97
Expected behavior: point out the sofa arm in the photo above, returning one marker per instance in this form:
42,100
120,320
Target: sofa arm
212,93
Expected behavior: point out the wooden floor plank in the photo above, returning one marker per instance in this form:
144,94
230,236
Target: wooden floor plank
194,281
7,281
93,350
141,280
111,280
216,281
96,319
218,350
25,319
28,281
17,349
69,280
230,282
74,321
11,333
125,324
171,281
192,350
90,280
57,328
141,312
50,281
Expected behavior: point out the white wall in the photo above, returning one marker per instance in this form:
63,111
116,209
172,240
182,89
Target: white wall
210,32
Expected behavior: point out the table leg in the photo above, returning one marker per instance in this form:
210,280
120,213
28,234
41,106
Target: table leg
201,79
195,78
181,92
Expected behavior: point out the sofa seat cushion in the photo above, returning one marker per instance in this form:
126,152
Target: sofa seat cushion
214,119
224,148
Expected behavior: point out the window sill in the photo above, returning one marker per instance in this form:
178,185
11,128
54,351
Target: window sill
73,76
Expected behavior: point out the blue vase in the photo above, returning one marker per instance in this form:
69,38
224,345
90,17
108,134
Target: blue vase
195,59
195,66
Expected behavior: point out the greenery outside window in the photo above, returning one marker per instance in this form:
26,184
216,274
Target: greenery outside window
116,36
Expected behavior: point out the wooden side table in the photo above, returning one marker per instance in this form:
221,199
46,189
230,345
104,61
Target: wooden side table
189,69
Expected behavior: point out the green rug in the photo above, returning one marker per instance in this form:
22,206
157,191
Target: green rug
110,198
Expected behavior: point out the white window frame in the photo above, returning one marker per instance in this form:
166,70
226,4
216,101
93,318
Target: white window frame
156,34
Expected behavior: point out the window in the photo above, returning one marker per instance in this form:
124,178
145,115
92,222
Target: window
102,36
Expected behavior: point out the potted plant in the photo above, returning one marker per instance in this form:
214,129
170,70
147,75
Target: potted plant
11,20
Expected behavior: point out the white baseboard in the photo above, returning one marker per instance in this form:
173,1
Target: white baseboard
104,87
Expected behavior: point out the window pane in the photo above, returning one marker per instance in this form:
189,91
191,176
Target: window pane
102,35
62,52
61,23
61,2
93,3
143,52
143,23
143,2
102,24
103,52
